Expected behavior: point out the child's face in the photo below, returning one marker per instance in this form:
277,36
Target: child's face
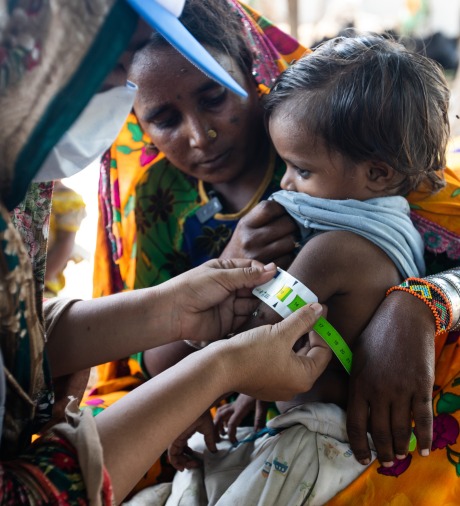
311,168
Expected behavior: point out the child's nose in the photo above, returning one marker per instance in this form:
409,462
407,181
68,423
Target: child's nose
286,182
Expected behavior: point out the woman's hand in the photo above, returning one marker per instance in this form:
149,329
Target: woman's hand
214,299
266,233
392,380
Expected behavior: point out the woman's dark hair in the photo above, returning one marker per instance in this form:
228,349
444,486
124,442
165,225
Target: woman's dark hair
217,25
369,98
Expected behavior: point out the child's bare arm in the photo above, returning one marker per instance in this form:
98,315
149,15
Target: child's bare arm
350,275
316,269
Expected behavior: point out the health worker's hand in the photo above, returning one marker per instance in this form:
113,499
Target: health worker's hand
267,233
392,380
214,299
262,364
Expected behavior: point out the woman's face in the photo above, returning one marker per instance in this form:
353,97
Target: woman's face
203,128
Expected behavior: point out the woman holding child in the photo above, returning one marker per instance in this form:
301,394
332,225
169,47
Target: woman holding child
147,181
84,460
346,194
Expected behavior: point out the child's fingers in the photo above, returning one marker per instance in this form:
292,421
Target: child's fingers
233,424
211,437
260,417
221,418
182,457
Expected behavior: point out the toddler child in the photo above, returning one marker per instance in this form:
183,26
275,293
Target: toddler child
360,123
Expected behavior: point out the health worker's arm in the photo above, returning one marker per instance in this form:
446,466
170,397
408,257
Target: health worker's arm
205,303
260,363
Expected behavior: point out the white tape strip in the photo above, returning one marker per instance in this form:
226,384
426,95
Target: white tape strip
284,293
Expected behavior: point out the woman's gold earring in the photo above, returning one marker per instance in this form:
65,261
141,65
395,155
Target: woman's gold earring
212,134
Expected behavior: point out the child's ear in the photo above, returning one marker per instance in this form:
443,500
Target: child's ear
380,176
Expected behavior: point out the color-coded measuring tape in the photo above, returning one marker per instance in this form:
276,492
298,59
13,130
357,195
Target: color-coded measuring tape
335,341
285,294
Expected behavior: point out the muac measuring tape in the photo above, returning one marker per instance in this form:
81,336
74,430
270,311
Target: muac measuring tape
285,294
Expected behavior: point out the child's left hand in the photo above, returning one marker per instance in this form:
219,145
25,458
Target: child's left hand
181,455
229,416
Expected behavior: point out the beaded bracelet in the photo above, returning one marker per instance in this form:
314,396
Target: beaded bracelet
449,282
433,297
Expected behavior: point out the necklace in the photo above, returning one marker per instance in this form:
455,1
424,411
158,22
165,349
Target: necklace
215,206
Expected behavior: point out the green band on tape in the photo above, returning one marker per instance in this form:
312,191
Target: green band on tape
412,442
335,342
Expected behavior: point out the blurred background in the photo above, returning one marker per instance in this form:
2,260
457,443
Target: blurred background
429,26
313,20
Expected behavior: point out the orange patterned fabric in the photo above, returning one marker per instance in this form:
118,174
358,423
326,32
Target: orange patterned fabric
437,217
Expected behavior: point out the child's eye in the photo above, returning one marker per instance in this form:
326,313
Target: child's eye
304,174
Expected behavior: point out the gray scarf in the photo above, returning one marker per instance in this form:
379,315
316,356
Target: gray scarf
385,221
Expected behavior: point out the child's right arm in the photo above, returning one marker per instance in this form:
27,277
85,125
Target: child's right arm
350,275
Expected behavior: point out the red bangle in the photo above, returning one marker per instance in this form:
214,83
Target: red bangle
433,297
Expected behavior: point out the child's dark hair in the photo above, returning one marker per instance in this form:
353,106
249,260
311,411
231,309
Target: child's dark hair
216,24
369,98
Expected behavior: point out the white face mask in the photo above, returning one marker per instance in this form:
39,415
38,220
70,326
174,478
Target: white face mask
91,135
